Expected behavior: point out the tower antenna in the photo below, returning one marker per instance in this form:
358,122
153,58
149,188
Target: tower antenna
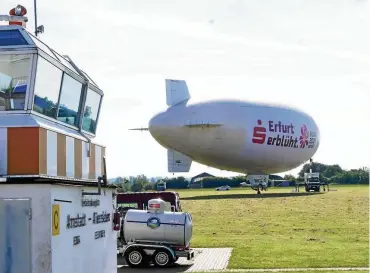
38,29
35,11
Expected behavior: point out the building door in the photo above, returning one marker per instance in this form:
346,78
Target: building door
15,235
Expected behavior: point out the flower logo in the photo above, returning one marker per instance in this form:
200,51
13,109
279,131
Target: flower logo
153,222
303,139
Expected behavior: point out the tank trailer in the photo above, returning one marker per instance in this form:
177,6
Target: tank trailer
155,236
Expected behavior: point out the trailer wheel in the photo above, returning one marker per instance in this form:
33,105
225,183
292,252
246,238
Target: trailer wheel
135,257
162,258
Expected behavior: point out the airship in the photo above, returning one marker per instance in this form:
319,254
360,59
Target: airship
252,138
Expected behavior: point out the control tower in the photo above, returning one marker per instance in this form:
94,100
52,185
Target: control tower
49,112
57,211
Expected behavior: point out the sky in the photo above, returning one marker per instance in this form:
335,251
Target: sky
314,55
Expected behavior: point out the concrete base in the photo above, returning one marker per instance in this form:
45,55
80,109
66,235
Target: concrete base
53,228
205,259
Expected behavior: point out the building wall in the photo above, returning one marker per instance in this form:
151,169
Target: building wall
90,255
34,150
40,223
55,252
199,176
195,185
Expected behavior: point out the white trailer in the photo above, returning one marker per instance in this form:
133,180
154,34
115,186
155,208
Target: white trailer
155,236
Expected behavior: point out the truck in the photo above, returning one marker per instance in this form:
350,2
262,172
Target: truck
139,200
161,186
155,236
312,181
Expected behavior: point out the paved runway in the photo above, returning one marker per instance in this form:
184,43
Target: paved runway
214,259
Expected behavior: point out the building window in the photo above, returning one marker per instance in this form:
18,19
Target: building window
70,98
47,86
91,111
14,70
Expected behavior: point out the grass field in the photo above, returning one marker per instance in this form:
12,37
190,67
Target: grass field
323,271
281,229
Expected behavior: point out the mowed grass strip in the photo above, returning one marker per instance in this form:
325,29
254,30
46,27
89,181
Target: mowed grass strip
281,229
306,271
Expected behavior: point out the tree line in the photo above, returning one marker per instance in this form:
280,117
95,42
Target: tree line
332,174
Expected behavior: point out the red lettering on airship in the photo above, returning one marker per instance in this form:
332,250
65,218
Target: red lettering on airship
285,136
259,133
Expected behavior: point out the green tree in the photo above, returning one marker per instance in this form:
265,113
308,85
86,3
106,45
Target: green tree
123,184
176,183
289,177
139,183
332,170
335,174
149,187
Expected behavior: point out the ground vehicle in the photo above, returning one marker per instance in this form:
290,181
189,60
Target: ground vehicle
312,182
258,182
161,186
155,236
223,188
139,200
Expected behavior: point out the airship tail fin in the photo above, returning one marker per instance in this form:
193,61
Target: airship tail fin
178,162
176,92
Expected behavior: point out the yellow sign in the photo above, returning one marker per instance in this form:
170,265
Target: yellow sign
55,220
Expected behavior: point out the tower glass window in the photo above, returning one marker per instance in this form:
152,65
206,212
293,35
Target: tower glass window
47,86
70,98
91,111
14,73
